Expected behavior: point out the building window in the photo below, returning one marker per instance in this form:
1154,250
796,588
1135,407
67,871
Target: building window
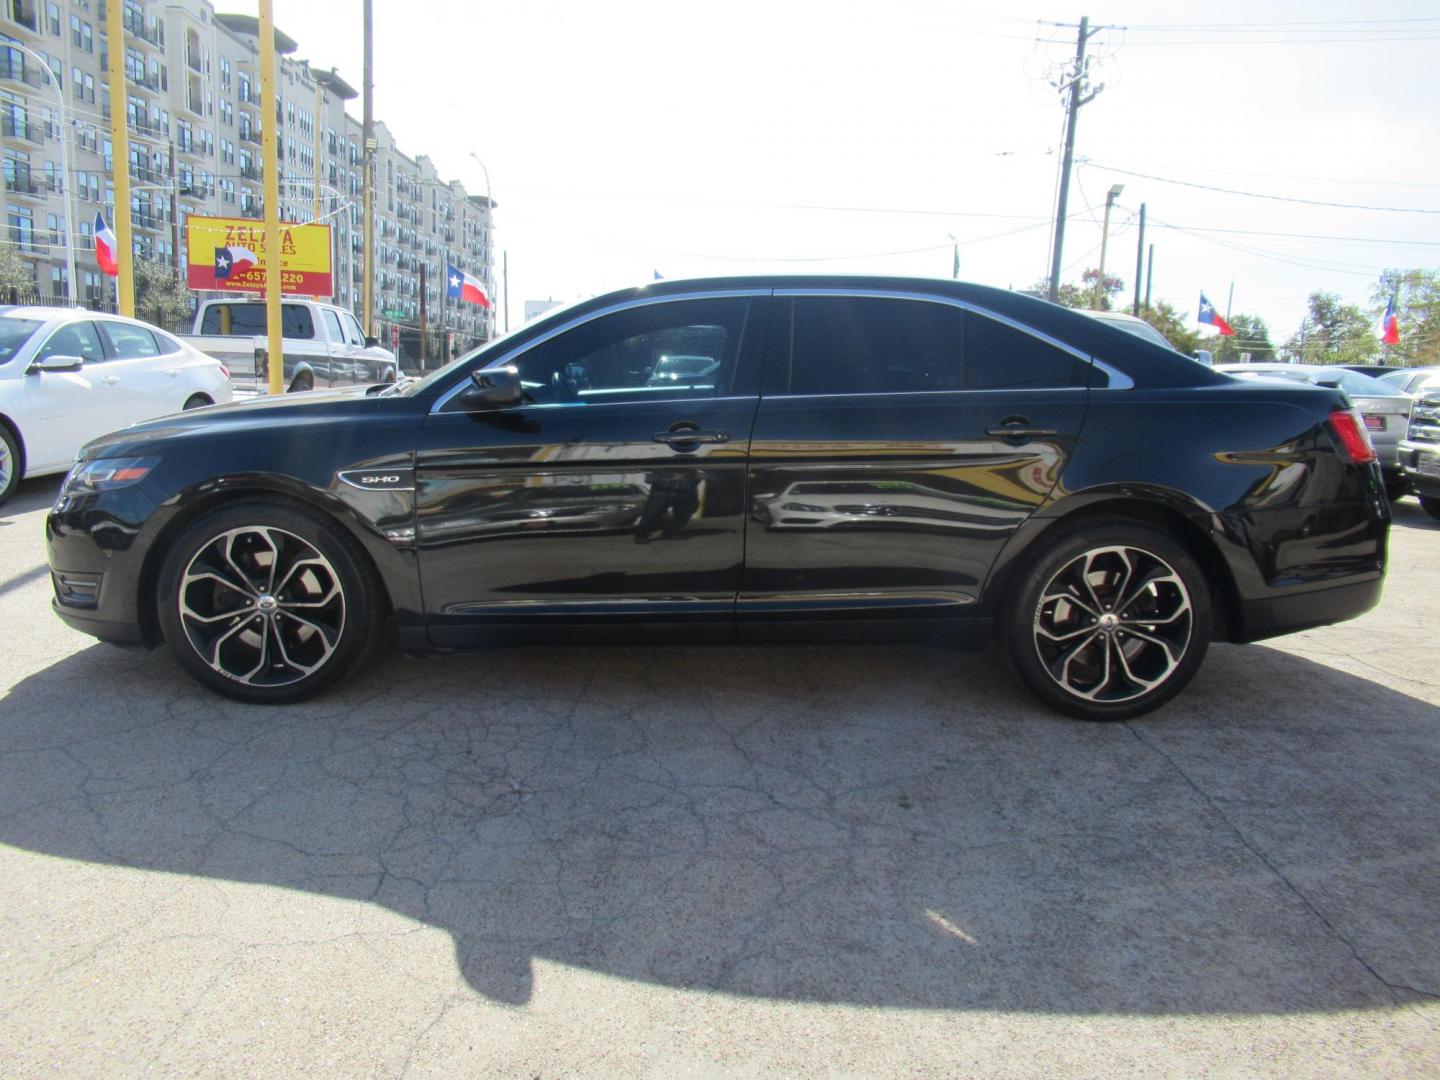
52,18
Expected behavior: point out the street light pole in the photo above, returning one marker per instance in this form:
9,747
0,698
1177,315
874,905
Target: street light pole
1110,197
489,221
66,179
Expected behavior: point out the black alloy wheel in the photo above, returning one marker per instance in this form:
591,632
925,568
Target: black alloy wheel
265,603
1111,621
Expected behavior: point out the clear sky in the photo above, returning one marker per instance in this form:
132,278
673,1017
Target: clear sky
633,136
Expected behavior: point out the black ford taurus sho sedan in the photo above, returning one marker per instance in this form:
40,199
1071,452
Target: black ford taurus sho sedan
751,459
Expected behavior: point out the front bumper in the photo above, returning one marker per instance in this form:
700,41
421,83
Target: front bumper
1420,466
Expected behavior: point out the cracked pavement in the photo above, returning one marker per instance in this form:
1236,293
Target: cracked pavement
660,862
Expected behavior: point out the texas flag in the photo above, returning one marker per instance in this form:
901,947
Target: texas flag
1390,325
230,261
1211,317
462,286
105,246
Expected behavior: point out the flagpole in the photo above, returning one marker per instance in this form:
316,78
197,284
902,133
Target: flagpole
444,306
120,164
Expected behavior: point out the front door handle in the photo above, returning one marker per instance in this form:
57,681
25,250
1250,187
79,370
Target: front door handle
111,380
686,436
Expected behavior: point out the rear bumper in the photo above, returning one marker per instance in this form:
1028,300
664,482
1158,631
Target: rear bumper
1420,465
1276,615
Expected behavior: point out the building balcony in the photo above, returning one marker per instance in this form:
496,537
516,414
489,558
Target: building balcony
12,71
251,172
146,221
251,137
192,58
135,24
252,210
13,128
24,184
144,175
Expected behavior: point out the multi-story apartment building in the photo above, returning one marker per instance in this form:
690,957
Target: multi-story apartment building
194,121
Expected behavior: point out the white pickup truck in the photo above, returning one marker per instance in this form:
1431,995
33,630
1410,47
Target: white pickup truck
323,344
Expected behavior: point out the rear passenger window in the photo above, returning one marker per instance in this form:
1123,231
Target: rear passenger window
129,342
295,322
999,357
863,345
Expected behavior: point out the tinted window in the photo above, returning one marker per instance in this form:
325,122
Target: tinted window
860,345
129,342
248,320
167,343
681,349
77,339
352,331
999,357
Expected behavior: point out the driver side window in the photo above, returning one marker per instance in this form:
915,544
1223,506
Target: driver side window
661,351
77,339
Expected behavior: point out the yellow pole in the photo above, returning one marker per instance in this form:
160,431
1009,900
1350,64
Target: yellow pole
270,135
120,144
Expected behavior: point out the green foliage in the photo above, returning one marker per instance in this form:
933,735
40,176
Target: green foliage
1083,295
1417,309
15,273
159,297
1251,336
1333,333
1168,321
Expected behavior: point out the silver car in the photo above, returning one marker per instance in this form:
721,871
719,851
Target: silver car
1386,409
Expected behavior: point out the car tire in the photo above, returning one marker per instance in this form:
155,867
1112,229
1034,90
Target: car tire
1109,620
267,603
1431,505
302,383
196,401
10,467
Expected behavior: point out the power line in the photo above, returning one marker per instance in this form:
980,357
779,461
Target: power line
1263,195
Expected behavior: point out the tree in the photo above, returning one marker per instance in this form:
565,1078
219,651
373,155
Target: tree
1333,333
15,275
1083,295
1168,321
1417,309
159,296
1251,336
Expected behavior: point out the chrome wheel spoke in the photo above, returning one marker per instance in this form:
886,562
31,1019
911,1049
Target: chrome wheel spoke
238,599
1113,624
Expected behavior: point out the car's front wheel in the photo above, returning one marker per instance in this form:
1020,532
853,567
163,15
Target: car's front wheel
265,603
1110,621
9,463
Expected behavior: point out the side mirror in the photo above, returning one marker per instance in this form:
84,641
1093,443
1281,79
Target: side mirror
371,342
493,388
56,362
1204,356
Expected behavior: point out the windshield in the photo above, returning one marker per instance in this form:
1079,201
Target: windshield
13,335
439,375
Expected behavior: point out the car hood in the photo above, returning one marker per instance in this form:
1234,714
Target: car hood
314,407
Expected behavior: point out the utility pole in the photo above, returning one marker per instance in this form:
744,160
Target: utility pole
120,161
1140,264
1078,97
1149,273
1230,301
174,215
505,263
1110,197
270,152
423,349
368,140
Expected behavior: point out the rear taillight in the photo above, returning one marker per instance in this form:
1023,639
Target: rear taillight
1350,432
224,371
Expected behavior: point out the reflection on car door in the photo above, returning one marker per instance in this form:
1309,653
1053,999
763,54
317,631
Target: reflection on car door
148,363
602,498
342,352
69,408
899,444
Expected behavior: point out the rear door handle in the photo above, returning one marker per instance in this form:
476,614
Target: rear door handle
1018,427
111,380
690,435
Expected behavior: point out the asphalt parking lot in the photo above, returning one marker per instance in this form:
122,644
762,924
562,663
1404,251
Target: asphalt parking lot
665,862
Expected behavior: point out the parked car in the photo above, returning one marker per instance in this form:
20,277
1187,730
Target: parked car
1100,504
68,375
1132,324
1384,409
1420,451
323,344
1411,380
1375,371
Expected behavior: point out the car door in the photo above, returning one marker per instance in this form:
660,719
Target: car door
69,408
610,495
900,442
342,352
154,381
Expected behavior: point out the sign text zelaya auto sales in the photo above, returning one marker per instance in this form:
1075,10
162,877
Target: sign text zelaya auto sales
229,254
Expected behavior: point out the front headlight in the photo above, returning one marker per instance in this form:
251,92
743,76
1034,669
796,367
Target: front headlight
105,474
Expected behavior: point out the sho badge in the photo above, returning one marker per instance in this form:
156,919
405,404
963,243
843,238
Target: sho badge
379,479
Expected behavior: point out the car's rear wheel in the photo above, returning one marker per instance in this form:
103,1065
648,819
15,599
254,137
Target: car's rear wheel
9,463
1110,621
304,381
196,401
264,603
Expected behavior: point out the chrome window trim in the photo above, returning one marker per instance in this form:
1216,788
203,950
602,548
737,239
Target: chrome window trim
1118,379
591,316
932,393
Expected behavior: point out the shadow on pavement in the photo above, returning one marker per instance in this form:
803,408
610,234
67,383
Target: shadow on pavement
886,826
